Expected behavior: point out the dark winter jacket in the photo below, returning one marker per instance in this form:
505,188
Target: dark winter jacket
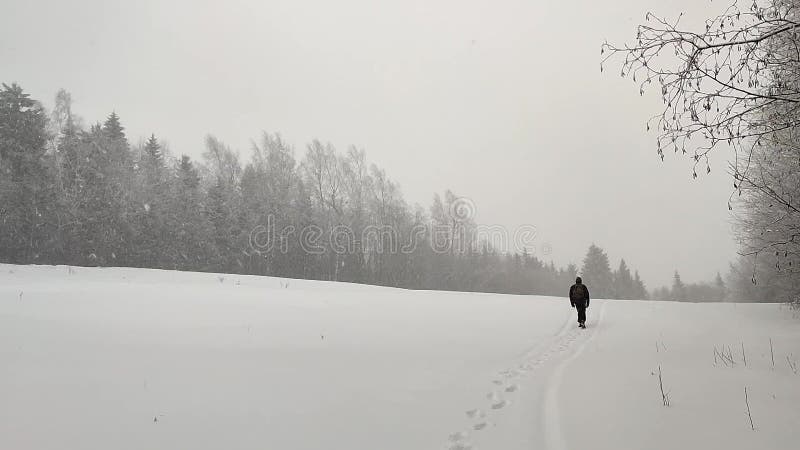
575,296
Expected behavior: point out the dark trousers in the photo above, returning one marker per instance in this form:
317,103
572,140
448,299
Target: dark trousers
581,314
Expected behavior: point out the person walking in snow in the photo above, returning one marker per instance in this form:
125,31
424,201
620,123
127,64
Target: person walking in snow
579,299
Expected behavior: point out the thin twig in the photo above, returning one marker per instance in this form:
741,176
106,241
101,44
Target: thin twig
730,356
744,357
664,396
747,402
771,353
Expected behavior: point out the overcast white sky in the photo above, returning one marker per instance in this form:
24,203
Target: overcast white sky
500,101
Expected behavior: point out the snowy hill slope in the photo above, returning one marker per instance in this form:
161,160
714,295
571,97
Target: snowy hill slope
133,358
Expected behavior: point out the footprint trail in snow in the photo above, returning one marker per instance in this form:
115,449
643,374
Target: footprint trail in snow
509,382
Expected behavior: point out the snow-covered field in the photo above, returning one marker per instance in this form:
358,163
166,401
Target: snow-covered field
146,359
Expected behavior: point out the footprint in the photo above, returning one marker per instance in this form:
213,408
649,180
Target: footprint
497,382
457,437
479,426
475,413
512,388
496,400
458,441
499,404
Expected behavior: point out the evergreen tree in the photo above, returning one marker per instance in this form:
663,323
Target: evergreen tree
190,230
596,273
22,133
152,150
115,182
678,292
187,174
154,241
570,273
72,165
639,289
623,282
107,217
27,195
113,128
224,207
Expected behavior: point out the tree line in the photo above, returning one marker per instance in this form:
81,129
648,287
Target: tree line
84,195
715,291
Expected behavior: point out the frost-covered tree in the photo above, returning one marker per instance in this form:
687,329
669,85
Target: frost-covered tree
733,85
735,82
152,152
191,233
105,213
27,201
153,243
223,206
